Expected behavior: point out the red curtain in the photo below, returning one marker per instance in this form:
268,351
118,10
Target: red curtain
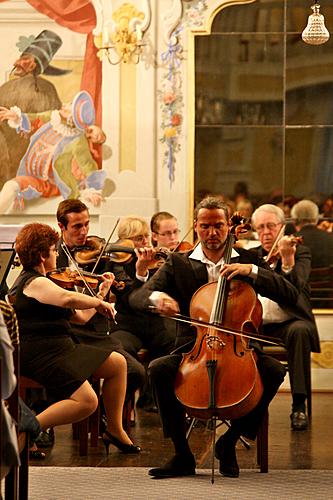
79,16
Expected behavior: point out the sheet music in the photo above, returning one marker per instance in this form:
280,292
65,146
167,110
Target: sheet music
8,233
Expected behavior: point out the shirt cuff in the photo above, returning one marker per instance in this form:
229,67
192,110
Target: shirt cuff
254,272
143,279
154,296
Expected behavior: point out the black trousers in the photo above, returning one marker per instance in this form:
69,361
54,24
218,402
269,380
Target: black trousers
134,332
162,373
296,335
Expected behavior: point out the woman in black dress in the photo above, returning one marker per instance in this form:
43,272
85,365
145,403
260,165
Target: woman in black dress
51,355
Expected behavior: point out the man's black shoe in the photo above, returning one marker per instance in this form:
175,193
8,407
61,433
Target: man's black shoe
225,452
179,465
299,421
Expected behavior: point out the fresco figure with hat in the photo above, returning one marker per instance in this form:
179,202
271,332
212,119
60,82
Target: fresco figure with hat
59,159
28,90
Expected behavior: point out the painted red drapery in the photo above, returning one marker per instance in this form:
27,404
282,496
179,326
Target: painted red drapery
79,16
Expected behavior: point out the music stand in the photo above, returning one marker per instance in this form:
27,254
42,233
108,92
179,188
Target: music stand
8,233
6,260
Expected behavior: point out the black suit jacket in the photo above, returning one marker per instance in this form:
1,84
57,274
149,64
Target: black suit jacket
299,278
181,276
320,244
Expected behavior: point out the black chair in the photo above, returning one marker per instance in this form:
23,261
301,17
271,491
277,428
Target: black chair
280,353
321,285
16,481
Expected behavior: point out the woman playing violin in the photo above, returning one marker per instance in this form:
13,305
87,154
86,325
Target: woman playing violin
170,290
49,354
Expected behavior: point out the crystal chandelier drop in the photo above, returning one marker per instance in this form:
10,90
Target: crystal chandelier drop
315,32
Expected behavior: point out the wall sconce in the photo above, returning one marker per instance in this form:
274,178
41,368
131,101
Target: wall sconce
123,35
315,32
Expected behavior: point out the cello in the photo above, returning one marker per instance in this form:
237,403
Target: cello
219,376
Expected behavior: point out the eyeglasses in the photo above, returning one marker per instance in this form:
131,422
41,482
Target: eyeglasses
140,238
170,233
270,226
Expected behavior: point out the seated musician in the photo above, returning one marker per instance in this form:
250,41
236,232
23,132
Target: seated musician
74,220
293,322
164,230
305,214
135,330
49,353
170,290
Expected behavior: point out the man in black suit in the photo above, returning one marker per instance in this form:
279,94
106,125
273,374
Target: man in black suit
170,290
306,214
74,219
292,322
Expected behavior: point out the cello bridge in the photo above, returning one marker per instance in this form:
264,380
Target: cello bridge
214,342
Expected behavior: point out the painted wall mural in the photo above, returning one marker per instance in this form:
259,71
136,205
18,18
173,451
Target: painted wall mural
171,98
47,147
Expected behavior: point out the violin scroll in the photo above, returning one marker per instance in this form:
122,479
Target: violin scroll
239,224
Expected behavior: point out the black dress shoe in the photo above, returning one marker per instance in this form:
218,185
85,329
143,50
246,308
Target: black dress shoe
299,421
225,452
179,465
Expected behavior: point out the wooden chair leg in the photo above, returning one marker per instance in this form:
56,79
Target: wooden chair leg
309,392
24,473
83,437
75,430
11,484
262,445
94,427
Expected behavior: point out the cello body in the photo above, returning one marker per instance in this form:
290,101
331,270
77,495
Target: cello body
219,376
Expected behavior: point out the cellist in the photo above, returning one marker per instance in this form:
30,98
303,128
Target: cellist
170,291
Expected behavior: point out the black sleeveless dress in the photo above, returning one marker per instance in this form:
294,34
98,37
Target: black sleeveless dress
50,354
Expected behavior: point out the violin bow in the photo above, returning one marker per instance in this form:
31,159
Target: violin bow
104,247
276,241
219,328
77,269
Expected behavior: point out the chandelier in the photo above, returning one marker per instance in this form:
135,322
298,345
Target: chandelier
315,32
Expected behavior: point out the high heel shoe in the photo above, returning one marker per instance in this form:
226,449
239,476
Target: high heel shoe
123,447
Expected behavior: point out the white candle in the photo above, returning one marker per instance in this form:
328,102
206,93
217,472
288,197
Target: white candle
138,33
105,36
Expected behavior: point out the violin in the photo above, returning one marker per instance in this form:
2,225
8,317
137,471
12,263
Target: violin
122,251
184,246
273,255
68,278
160,256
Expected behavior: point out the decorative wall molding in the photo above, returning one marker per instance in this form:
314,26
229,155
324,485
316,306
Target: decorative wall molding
170,20
20,11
